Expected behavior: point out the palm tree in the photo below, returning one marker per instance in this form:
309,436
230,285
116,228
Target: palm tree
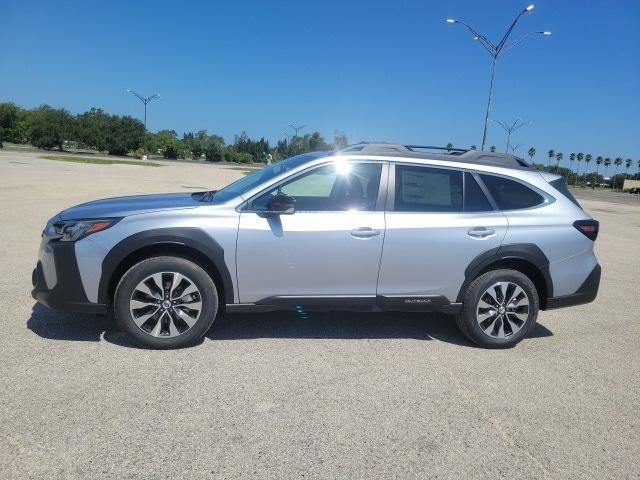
559,157
627,164
532,153
607,162
617,162
492,148
550,154
572,158
587,160
599,161
579,157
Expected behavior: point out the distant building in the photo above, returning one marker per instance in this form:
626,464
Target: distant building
631,184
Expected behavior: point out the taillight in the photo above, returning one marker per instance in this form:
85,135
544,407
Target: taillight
588,227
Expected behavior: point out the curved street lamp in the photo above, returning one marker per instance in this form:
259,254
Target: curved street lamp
495,50
145,101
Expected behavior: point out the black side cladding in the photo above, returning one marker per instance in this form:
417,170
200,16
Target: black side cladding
587,292
68,293
193,238
527,252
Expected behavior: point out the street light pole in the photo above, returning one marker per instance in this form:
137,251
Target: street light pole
510,128
145,101
495,50
296,129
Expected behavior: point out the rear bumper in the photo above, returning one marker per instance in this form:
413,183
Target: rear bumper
68,291
585,294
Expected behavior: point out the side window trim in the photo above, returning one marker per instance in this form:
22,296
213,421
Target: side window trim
380,200
485,190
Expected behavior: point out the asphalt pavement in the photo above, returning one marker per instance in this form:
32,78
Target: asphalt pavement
285,395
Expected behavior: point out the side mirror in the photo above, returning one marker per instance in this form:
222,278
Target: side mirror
280,205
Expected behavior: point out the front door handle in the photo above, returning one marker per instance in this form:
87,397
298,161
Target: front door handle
481,232
364,232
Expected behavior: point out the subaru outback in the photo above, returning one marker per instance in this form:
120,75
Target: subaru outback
373,227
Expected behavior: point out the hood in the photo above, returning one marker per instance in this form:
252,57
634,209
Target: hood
124,206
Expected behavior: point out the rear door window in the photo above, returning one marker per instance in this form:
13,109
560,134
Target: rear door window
427,189
511,195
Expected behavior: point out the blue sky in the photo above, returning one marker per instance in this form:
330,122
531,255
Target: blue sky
392,71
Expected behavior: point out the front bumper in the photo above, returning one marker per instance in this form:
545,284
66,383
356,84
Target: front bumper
585,294
68,292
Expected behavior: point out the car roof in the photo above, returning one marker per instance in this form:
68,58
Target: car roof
419,152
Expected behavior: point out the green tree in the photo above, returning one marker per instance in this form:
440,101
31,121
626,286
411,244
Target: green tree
617,162
607,162
599,161
473,147
492,148
572,158
579,158
9,114
124,135
48,127
449,146
92,129
587,159
532,153
559,157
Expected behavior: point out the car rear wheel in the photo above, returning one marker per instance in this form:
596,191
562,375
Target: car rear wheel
499,309
165,302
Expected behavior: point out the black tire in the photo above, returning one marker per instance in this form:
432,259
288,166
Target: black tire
137,274
467,319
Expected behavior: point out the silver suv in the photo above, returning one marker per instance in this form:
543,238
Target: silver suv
374,227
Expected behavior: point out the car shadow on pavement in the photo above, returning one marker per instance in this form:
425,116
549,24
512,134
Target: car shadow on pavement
345,325
78,327
55,325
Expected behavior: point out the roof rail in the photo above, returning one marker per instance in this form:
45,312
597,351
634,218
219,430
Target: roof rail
442,153
371,147
449,150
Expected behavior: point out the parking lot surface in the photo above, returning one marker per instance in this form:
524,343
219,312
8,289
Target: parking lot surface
282,395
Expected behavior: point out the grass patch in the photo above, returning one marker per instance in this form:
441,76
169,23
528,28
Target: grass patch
98,161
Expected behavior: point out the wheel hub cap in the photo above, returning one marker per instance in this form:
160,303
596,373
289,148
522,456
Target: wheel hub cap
165,304
502,310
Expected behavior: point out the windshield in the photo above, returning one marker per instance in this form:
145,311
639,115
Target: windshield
240,187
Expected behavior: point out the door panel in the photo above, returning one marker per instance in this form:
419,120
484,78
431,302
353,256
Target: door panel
309,253
427,253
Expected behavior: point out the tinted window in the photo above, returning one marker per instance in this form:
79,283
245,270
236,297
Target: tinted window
509,194
335,187
474,198
426,189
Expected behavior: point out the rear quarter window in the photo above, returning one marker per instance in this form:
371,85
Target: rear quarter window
561,185
511,195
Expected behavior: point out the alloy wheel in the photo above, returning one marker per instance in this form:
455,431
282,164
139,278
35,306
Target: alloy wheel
165,304
502,310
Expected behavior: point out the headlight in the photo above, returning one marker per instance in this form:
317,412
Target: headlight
72,230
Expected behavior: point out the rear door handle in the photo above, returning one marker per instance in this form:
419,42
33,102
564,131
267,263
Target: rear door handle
364,232
481,232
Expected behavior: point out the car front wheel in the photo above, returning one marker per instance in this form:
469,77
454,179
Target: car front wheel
499,309
165,302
